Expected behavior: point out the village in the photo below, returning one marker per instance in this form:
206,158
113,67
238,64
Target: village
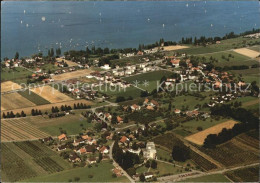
139,117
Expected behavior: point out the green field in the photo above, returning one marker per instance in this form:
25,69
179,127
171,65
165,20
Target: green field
17,74
248,75
190,127
255,48
224,45
237,60
71,124
23,160
47,67
101,173
208,178
33,97
115,92
152,78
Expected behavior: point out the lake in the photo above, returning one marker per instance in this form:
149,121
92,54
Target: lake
32,27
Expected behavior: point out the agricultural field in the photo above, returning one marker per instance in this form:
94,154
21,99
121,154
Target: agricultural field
168,140
198,138
9,86
247,52
19,129
190,127
224,45
71,75
202,162
229,58
51,94
250,174
14,101
152,78
100,173
47,107
33,97
23,160
232,154
17,74
208,178
172,48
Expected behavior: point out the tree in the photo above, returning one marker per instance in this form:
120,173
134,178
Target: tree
23,114
114,119
4,116
154,164
16,56
147,164
180,153
142,178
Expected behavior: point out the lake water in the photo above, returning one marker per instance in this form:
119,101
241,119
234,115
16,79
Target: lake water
30,27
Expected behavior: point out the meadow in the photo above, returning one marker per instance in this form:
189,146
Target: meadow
72,124
100,173
152,78
17,74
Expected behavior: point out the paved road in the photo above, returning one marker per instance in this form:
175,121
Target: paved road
183,176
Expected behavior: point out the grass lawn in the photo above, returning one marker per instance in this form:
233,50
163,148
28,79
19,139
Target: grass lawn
16,74
190,127
102,173
208,178
47,67
165,168
114,92
71,124
163,154
33,97
151,78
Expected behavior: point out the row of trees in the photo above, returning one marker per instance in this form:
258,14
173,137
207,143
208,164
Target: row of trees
12,115
36,112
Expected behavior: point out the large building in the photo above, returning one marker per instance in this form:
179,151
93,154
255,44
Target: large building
150,151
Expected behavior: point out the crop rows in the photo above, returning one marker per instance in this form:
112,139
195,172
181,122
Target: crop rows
202,162
230,155
48,164
33,149
13,166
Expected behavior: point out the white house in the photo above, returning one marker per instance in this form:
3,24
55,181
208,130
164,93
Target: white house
150,151
106,67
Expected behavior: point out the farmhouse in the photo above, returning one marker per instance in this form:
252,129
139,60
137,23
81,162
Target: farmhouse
62,137
135,107
103,150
